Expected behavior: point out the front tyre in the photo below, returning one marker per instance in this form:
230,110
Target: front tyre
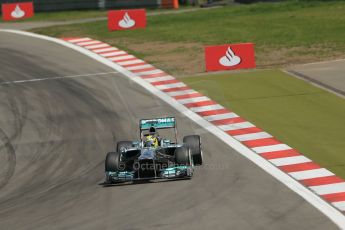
112,162
183,156
193,142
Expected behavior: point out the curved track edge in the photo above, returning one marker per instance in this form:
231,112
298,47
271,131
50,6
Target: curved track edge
327,209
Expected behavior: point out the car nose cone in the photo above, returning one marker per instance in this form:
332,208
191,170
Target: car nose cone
147,154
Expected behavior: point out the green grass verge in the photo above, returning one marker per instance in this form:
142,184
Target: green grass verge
303,116
284,33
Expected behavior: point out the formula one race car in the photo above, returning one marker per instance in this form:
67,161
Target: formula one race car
153,157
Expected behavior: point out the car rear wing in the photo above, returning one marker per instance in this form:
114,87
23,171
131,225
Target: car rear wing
158,123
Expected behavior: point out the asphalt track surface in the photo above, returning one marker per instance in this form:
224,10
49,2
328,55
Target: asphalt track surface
55,132
329,75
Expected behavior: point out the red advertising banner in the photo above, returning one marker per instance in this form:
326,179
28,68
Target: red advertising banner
230,57
126,19
16,11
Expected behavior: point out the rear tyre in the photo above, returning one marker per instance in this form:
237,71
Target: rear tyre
193,142
112,162
183,156
123,144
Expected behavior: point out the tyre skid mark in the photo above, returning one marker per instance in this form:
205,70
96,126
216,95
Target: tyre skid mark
10,158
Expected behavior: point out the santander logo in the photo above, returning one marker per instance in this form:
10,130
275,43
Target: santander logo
17,12
230,59
126,22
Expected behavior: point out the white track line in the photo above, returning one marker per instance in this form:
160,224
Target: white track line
206,108
103,45
80,40
124,57
329,188
252,136
235,126
54,78
101,50
145,66
289,160
92,42
112,54
130,62
169,86
156,79
181,92
309,174
271,148
156,71
332,213
193,99
220,116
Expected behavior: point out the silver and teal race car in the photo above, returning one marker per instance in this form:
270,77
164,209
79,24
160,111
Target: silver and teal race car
153,157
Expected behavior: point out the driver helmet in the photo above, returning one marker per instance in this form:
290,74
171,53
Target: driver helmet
152,130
